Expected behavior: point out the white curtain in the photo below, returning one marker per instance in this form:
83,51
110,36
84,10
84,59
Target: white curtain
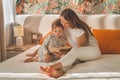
9,18
2,42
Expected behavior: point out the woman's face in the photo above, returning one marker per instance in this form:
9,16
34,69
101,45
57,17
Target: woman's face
64,22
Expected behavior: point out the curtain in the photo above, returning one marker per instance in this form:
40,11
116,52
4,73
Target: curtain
9,19
7,16
2,34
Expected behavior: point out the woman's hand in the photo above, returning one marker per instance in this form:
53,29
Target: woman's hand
48,58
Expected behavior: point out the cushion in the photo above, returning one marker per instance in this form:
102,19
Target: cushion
108,40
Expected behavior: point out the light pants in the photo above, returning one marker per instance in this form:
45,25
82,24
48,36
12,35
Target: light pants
85,53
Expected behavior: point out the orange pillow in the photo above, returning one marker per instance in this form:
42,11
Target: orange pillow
41,41
108,40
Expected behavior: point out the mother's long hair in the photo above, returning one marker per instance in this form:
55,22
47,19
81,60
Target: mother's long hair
75,21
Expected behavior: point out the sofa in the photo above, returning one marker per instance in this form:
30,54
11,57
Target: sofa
106,29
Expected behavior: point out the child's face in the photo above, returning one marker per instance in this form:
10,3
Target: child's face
57,32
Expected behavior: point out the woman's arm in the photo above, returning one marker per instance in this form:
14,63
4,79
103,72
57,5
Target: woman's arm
81,40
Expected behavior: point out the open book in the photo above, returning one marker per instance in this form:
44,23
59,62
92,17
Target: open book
59,49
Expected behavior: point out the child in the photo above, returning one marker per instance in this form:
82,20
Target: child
54,40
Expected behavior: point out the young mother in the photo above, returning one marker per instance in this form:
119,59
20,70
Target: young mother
84,45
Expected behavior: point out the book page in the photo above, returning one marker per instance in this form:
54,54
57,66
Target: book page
52,49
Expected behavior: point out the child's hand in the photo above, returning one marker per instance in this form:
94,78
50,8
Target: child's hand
57,54
48,58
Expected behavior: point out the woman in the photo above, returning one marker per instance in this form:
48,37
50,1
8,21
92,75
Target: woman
84,45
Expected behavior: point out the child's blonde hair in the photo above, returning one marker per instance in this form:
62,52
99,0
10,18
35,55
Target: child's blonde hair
57,23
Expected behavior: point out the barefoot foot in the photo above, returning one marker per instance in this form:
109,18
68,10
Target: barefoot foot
33,59
30,55
52,72
57,73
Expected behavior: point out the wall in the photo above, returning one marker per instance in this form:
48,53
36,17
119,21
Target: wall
80,6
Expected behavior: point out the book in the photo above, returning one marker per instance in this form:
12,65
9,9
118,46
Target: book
59,49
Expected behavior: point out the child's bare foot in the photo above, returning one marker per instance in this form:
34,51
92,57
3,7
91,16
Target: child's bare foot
32,59
28,60
30,55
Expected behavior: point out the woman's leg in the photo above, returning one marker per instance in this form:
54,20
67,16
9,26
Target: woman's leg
83,53
88,53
